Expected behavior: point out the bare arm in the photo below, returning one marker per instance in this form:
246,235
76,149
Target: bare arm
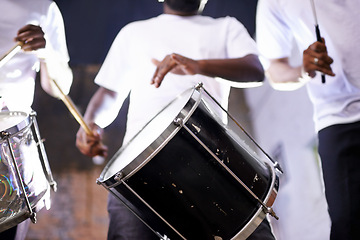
101,103
285,77
53,70
246,69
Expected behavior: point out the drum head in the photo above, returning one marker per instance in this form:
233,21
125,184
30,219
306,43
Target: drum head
145,142
12,122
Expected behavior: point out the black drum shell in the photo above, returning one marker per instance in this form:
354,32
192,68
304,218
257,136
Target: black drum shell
184,191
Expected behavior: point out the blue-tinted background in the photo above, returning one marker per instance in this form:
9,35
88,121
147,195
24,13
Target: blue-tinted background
91,25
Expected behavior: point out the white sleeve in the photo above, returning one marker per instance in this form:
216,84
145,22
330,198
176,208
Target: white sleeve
108,111
273,36
55,52
239,41
113,75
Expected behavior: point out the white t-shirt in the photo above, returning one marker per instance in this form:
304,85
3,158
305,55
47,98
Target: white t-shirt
17,76
128,65
280,23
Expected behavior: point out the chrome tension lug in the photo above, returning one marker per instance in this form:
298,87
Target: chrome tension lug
118,176
179,122
272,213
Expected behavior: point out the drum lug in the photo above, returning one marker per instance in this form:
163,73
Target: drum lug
32,114
165,238
270,211
4,135
98,181
278,167
179,122
118,176
53,186
33,217
199,85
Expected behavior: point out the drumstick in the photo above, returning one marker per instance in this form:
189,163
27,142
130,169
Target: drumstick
66,99
317,31
14,50
73,110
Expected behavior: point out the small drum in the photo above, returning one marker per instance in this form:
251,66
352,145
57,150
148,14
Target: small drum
186,175
25,176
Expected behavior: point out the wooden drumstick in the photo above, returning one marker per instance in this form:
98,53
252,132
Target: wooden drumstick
73,110
66,99
7,56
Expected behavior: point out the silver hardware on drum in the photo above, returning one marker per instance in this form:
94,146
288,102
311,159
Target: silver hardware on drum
165,238
187,168
24,169
118,176
179,122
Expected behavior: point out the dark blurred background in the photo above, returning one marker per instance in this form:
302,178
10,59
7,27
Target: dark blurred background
79,206
92,25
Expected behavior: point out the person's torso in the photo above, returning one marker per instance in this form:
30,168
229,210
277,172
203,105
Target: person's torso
338,100
195,37
17,75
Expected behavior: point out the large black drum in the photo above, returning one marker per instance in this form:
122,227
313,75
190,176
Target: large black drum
187,175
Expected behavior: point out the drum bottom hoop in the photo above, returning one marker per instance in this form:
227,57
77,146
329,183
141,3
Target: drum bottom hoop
12,222
21,216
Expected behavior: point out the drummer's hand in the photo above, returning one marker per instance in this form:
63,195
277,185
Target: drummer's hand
91,145
32,37
316,58
175,64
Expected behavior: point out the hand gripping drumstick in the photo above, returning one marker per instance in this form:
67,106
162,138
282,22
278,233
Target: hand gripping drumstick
74,111
98,159
317,31
68,102
65,98
14,50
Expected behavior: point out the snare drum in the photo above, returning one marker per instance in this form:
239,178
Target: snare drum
187,175
25,176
